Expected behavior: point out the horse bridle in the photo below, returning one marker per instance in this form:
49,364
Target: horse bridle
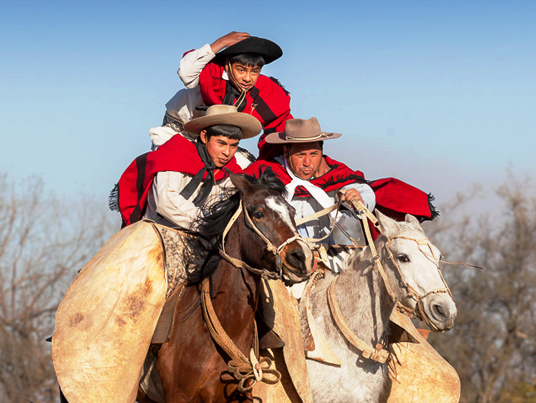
247,370
411,292
276,251
379,353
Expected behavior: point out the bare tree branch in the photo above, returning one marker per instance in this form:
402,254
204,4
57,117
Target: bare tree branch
492,345
43,244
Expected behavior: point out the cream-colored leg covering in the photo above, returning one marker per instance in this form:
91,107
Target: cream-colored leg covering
106,320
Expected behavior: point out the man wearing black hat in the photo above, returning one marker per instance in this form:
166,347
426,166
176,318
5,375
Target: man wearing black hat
228,72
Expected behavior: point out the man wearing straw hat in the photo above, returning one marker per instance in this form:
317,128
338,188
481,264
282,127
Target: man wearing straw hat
173,184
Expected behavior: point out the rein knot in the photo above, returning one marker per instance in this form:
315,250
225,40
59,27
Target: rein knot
253,372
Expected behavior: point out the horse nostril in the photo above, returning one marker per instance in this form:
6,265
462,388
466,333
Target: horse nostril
438,311
296,258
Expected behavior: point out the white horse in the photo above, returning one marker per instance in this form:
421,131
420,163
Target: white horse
411,267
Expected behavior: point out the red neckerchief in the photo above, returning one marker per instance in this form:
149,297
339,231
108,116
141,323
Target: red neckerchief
177,154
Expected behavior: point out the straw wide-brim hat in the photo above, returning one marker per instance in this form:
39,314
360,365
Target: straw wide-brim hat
269,50
301,131
225,115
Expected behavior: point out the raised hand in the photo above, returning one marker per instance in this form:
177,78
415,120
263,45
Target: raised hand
228,40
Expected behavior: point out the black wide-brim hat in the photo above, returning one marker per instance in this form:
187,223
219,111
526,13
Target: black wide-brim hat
269,50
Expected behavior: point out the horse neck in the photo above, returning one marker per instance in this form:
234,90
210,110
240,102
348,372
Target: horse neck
235,292
363,299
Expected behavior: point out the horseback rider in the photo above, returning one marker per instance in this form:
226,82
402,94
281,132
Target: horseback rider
307,183
175,184
171,186
313,179
227,72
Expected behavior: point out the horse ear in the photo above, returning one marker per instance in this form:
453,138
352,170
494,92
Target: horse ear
411,220
241,183
387,224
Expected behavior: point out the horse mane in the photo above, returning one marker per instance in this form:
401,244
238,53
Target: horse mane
268,180
204,253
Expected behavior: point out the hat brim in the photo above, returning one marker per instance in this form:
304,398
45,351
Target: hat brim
269,50
249,125
281,138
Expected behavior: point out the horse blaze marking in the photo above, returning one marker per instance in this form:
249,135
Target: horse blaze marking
276,205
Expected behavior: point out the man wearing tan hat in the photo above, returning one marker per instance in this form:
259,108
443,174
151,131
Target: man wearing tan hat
175,183
313,179
310,176
125,281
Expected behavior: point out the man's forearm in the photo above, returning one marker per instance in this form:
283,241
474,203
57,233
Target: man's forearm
193,63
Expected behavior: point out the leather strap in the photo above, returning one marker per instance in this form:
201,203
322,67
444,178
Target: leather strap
378,354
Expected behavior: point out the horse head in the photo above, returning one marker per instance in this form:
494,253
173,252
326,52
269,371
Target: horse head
274,241
415,278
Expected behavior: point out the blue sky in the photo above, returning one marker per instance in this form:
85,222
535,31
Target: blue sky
439,94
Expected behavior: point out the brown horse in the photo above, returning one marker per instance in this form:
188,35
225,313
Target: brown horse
192,367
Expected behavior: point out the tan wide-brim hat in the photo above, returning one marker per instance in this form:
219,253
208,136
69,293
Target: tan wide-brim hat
225,115
301,131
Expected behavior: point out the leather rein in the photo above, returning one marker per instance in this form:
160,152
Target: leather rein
379,353
264,273
247,370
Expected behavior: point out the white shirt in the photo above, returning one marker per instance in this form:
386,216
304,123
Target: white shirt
193,63
166,206
182,106
159,135
305,206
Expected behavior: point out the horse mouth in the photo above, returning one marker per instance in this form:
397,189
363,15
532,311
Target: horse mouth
440,313
297,261
289,278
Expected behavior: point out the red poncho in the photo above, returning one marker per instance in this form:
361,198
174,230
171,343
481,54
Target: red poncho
394,198
267,101
177,154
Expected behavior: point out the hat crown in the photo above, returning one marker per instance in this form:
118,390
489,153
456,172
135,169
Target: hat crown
302,129
225,115
269,50
220,110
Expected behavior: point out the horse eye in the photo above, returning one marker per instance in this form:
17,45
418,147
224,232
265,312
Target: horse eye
403,258
258,215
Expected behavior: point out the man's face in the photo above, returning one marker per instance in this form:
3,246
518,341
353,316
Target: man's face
245,76
304,159
220,148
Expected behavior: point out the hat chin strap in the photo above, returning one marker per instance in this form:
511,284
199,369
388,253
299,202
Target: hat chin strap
243,92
